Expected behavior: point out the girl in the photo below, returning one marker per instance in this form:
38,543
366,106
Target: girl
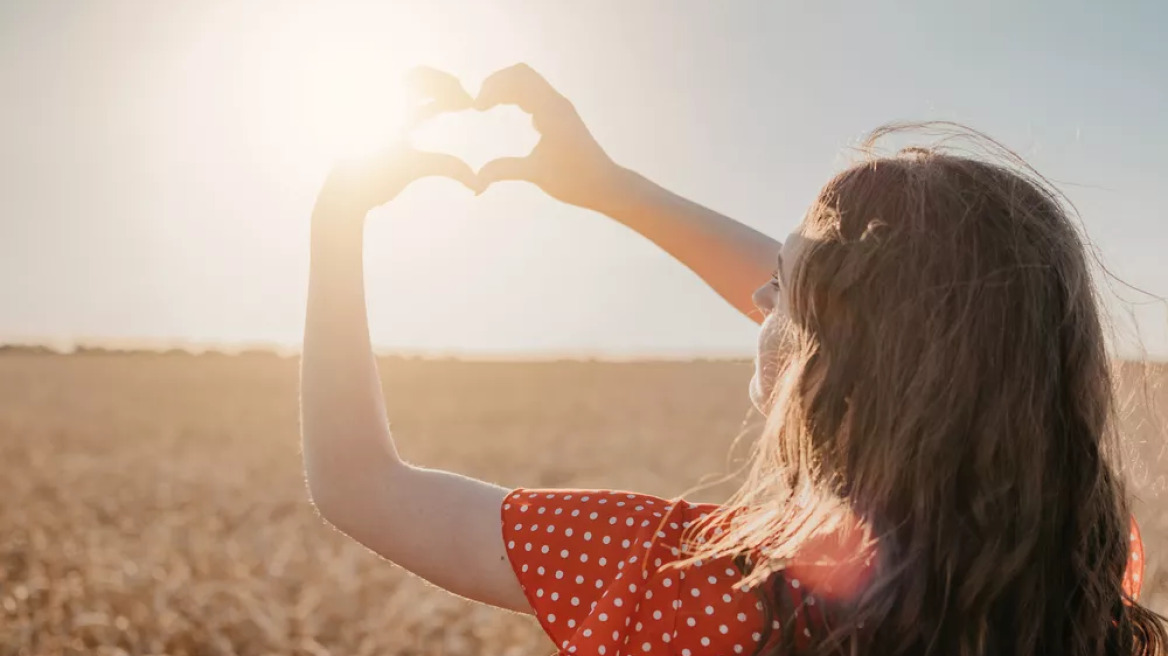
932,477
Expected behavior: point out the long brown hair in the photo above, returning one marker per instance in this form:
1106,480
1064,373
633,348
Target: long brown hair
945,395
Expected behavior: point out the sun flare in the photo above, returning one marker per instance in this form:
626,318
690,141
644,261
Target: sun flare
329,93
349,107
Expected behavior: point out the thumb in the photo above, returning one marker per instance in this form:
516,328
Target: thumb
439,86
507,168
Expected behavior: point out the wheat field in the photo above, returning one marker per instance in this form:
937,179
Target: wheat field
155,504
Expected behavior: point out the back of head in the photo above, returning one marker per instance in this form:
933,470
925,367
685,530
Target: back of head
949,386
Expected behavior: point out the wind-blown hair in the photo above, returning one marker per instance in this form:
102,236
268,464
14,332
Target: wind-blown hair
944,399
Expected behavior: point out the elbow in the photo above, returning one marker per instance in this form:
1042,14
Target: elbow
342,507
344,493
324,498
333,496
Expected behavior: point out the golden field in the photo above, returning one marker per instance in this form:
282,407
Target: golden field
154,504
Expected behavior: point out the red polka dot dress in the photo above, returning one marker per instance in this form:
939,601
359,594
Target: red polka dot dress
1133,577
590,563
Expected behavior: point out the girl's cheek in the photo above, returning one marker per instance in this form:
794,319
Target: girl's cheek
780,309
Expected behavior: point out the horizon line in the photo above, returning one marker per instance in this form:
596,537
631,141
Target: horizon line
257,347
128,346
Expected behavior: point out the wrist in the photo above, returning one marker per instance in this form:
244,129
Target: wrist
624,190
334,222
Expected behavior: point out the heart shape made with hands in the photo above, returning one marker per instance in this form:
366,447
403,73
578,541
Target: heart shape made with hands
476,137
504,123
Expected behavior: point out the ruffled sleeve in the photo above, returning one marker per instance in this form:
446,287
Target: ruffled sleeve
593,565
589,563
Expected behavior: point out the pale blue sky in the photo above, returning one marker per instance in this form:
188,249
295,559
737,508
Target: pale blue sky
159,159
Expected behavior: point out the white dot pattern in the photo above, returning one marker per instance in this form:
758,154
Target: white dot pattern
1133,577
595,566
599,581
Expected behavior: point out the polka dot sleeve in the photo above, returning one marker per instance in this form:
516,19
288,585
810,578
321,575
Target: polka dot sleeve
588,562
1133,578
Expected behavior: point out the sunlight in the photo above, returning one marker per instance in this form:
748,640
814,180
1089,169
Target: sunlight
327,90
346,105
329,82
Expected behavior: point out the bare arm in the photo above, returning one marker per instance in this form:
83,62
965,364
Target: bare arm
442,527
567,163
731,257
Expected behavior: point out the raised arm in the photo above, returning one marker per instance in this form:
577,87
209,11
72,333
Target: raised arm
731,257
443,527
569,165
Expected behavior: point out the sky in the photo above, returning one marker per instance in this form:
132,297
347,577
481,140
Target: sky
159,160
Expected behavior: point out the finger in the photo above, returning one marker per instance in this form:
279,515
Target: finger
446,166
506,168
438,86
516,85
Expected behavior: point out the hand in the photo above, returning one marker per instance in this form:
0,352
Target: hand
567,163
443,90
360,184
